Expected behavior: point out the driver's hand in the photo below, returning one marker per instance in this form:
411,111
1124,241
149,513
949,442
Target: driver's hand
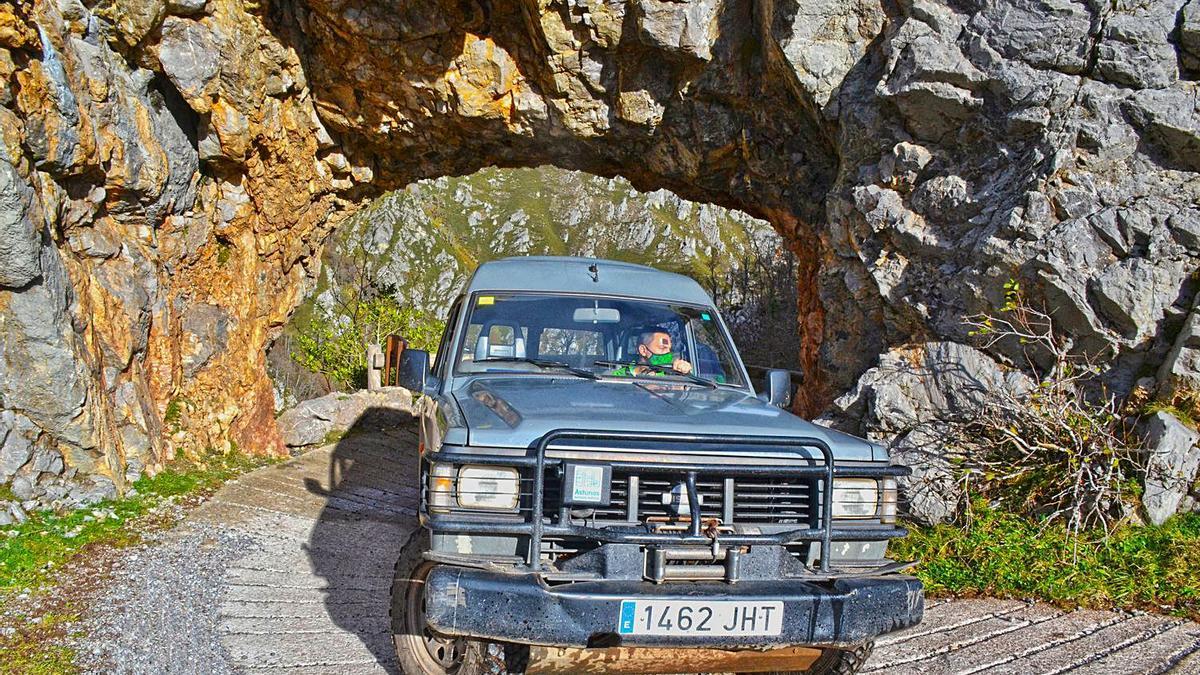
682,367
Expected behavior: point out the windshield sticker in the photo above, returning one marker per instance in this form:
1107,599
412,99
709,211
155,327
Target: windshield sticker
705,316
486,300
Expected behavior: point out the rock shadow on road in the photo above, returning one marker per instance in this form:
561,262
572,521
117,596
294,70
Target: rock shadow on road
371,493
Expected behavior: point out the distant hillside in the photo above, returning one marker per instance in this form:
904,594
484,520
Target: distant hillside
420,244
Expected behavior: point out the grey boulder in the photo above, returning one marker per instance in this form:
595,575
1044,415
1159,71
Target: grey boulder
1171,464
311,422
911,401
932,493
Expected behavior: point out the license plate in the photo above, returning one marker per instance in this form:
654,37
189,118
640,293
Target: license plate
715,617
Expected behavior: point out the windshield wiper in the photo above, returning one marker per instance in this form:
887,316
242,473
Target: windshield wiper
580,372
665,370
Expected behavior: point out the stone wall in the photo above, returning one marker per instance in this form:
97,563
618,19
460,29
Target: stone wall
171,168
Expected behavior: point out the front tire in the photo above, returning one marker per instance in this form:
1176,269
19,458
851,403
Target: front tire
842,661
419,650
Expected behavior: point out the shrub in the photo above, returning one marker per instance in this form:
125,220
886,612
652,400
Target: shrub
1061,448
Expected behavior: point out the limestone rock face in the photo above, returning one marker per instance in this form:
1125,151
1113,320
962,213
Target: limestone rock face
171,168
1180,370
20,236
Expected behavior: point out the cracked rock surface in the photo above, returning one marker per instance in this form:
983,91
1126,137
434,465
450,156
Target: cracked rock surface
171,169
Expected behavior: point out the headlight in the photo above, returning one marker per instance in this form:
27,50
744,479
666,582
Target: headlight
441,487
855,498
488,487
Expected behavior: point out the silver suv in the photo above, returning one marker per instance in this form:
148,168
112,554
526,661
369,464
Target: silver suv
603,490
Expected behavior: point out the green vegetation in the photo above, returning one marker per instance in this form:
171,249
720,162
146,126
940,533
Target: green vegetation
1008,556
34,650
333,342
47,539
33,553
1060,447
174,412
1051,472
224,252
1182,414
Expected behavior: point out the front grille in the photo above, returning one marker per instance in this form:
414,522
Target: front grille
748,501
651,489
774,500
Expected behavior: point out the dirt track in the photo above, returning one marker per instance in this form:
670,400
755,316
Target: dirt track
307,590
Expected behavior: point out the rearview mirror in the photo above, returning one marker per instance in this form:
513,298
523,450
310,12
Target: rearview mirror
414,372
597,315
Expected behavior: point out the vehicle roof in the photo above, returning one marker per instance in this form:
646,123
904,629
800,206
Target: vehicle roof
571,275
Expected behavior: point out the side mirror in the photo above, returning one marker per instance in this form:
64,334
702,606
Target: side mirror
779,388
414,372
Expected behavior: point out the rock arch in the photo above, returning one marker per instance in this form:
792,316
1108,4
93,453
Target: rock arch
173,166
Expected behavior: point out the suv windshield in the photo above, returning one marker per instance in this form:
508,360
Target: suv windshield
604,336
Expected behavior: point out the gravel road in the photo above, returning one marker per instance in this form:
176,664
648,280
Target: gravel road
287,570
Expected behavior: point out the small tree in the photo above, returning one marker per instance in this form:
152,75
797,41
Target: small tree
360,310
334,343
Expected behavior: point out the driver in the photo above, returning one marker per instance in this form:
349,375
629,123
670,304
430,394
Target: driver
654,349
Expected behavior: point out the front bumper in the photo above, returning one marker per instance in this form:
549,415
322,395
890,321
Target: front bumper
520,608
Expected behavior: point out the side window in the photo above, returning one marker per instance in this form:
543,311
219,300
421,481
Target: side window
708,347
444,346
470,339
715,359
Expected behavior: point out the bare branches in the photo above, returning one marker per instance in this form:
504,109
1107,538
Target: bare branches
1059,448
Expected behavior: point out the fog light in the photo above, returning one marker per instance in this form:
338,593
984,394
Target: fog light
855,498
441,487
488,487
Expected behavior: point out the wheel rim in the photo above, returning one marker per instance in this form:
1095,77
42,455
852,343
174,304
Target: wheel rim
442,652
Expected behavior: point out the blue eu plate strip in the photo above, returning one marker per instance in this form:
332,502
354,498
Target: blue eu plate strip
625,625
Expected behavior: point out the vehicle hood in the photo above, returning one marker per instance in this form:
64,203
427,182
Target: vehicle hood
514,412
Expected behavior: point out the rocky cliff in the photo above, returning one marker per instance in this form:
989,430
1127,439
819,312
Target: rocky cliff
424,241
172,167
420,245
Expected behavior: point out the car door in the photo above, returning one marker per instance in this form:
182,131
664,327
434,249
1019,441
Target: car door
431,419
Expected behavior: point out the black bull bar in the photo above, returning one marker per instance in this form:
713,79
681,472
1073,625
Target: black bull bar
535,528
